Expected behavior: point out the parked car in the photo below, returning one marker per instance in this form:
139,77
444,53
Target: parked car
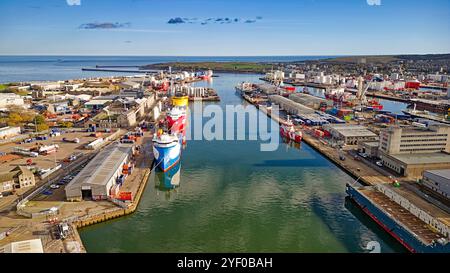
54,186
380,163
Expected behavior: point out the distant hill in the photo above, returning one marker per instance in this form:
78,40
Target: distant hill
384,59
242,67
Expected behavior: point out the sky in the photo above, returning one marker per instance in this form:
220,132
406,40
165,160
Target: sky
224,27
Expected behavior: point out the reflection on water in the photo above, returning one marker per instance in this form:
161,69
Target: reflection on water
291,144
168,182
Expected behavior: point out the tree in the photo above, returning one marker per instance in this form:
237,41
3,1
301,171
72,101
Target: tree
66,124
14,119
42,127
40,119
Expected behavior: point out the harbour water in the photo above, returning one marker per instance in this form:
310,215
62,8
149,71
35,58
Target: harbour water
234,198
231,196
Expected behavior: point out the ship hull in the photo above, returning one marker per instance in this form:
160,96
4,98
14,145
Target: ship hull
167,157
394,229
293,136
177,126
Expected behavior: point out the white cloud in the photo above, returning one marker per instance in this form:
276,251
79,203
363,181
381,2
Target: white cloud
73,2
374,2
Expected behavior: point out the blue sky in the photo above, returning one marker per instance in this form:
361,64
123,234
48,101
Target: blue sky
234,28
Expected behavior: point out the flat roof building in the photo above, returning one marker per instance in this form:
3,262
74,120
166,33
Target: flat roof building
438,181
30,246
7,132
290,106
11,99
310,100
412,150
414,165
350,134
399,140
97,178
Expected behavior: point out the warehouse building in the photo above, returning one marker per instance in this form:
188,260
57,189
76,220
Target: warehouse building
10,99
7,132
311,101
30,246
290,106
438,181
350,134
414,165
98,177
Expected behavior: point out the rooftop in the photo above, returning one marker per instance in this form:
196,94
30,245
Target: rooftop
372,144
101,168
30,246
428,158
97,102
442,173
348,130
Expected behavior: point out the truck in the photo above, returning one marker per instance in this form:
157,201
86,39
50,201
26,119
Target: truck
70,159
75,140
95,144
46,150
25,152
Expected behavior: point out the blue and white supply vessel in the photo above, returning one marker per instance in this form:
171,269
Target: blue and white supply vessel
167,150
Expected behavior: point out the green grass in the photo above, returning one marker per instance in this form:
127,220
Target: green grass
3,87
215,66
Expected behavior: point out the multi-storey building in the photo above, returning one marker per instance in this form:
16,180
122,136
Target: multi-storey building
412,150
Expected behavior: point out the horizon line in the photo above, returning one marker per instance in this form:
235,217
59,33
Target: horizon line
284,55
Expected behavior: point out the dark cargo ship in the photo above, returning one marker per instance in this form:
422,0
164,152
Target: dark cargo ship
412,232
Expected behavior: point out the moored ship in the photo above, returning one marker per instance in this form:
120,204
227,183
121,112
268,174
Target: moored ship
407,227
166,150
288,131
176,120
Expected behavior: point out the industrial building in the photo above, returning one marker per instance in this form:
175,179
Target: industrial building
415,140
414,165
7,132
409,151
438,181
30,246
350,134
10,99
99,176
311,101
268,89
290,106
369,148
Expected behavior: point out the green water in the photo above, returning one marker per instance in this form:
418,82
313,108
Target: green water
234,198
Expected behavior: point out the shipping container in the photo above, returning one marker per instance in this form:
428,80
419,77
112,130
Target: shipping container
126,196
